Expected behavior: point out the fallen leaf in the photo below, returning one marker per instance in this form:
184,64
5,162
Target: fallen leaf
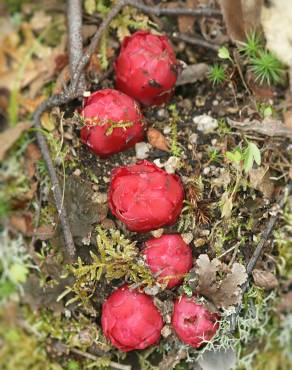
82,208
286,303
222,292
10,136
264,279
260,180
157,139
233,17
227,205
207,271
22,222
186,24
45,232
47,122
193,73
268,126
229,291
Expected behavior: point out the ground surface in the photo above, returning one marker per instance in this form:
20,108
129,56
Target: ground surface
50,311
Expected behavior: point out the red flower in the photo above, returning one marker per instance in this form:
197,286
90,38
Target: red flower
130,320
193,323
144,196
146,68
170,256
104,110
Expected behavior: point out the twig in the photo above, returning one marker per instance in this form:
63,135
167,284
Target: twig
195,41
74,15
257,252
94,42
92,357
158,11
55,100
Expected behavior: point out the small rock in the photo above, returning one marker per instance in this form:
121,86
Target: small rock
205,123
162,114
194,138
142,150
166,331
199,242
206,170
172,164
167,130
200,101
154,290
77,172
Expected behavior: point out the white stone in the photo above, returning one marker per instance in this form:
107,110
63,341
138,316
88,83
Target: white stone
205,123
142,150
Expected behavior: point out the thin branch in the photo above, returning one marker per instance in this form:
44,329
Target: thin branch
257,252
74,16
94,42
55,100
92,357
195,41
158,11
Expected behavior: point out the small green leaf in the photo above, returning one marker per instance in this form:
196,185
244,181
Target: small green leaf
90,6
223,53
18,273
251,155
235,156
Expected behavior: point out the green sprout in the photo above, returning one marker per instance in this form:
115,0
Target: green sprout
253,44
267,68
217,74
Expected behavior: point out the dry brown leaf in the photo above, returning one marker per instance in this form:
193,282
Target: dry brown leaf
186,24
286,303
233,17
225,292
268,126
45,232
207,271
10,136
260,180
229,292
157,139
264,279
22,222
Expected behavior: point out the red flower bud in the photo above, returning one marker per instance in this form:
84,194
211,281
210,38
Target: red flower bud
146,68
104,111
130,320
144,196
192,322
169,256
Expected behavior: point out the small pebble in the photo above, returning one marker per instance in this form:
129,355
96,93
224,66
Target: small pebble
77,172
166,130
142,150
206,170
194,138
162,114
172,164
205,123
166,331
199,242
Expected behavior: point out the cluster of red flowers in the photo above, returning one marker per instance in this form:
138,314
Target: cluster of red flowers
143,196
